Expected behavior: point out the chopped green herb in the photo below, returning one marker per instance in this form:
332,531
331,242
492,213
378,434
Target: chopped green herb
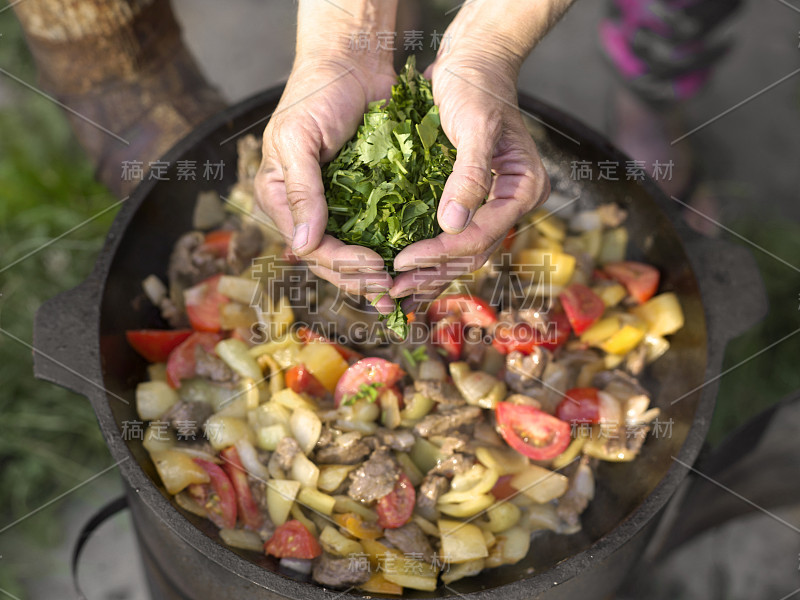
367,391
383,188
419,355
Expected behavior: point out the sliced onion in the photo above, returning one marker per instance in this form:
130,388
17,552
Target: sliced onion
432,369
586,220
195,453
249,458
154,289
300,565
306,428
609,411
186,502
242,538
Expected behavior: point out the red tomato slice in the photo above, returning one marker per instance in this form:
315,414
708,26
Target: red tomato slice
524,337
248,509
395,508
154,345
366,371
202,304
582,305
181,362
502,489
218,242
221,506
293,540
640,279
307,334
532,432
300,380
472,311
558,330
581,405
449,336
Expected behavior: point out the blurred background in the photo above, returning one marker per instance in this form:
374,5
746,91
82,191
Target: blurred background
49,441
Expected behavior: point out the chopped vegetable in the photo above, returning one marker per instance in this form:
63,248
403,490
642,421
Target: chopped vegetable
470,310
640,279
177,470
181,362
300,379
236,355
248,509
153,399
203,302
323,362
281,494
662,314
155,345
306,427
531,431
221,506
293,540
394,509
582,305
366,371
539,484
579,405
334,542
461,542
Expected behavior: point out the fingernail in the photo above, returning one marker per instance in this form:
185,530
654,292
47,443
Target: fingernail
369,270
455,216
385,305
376,288
300,236
402,293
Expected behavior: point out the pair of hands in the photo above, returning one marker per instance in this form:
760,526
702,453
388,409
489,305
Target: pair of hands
322,106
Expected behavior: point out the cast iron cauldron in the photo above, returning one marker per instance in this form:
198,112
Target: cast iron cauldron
80,340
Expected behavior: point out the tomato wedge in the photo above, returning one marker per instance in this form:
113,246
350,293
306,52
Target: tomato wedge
300,380
524,337
532,432
154,345
395,508
248,509
582,305
293,540
203,302
306,334
366,371
449,336
558,330
581,405
472,311
502,489
641,280
181,362
221,505
218,242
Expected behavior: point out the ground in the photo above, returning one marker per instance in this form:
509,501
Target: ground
750,155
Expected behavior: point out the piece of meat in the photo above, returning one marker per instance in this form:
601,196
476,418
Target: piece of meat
524,372
172,313
397,439
430,489
188,418
246,245
334,572
445,421
346,449
325,437
452,465
411,540
211,367
190,264
619,384
474,349
452,443
375,478
443,392
578,495
285,452
636,360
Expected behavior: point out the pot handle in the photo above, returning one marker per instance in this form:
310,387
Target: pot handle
754,469
65,349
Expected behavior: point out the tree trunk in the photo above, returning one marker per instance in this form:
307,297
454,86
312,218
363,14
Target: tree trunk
120,66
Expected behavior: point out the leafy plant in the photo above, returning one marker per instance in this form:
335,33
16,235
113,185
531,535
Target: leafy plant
383,188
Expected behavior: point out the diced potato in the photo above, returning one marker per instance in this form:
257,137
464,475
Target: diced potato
503,460
488,537
153,399
226,431
281,494
271,413
549,225
624,340
235,408
614,246
662,313
548,267
246,291
323,362
601,331
365,427
332,476
461,542
291,400
236,355
612,361
468,508
267,438
461,570
306,428
592,242
177,470
390,410
502,516
157,372
546,243
611,295
304,471
378,584
158,437
345,504
316,500
283,350
409,580
540,484
354,525
242,538
425,455
277,316
297,513
334,542
409,468
233,315
512,546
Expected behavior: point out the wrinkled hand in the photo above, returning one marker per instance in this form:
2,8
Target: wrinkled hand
497,162
321,108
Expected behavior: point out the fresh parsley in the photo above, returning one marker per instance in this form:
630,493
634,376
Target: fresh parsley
383,188
419,355
367,391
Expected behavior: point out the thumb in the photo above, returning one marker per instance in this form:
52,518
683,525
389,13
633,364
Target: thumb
469,184
304,192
